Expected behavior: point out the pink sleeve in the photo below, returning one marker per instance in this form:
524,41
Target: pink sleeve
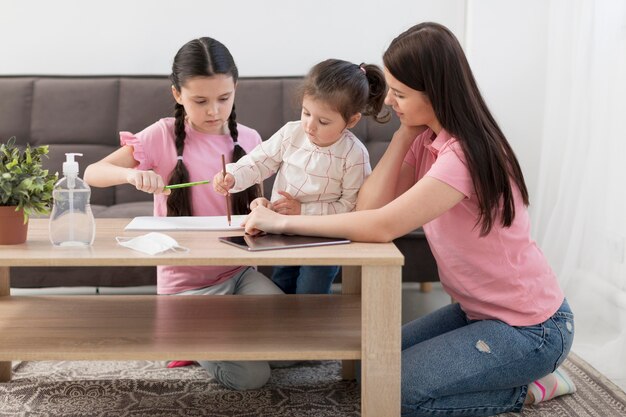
410,157
417,148
128,139
450,167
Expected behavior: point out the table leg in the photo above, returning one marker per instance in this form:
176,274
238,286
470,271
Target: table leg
381,340
5,281
350,285
5,290
5,371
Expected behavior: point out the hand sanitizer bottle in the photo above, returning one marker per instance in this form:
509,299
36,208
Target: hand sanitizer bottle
71,220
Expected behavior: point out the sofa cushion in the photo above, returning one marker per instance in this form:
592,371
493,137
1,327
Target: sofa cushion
75,110
152,95
15,108
259,105
124,210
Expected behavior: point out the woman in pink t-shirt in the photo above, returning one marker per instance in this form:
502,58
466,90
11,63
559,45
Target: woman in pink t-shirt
450,169
188,148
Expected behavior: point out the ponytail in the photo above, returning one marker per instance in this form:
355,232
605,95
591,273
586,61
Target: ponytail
377,92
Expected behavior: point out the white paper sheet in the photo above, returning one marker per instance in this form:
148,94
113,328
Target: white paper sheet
185,223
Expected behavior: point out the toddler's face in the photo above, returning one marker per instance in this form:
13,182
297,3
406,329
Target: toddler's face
322,124
208,102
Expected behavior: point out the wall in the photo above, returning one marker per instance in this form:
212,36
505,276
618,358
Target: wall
505,42
269,37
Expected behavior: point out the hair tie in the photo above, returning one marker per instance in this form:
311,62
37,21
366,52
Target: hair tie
362,67
179,157
236,143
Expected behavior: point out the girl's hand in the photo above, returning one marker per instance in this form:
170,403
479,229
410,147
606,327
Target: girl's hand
221,183
287,205
147,181
262,219
261,201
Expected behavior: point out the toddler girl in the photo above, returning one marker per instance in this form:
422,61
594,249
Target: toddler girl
319,164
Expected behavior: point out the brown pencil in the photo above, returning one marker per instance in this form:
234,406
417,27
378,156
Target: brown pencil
227,196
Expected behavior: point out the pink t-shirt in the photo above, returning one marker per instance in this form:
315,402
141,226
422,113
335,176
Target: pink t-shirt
154,149
502,275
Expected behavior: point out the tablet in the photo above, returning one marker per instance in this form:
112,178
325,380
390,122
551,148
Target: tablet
271,241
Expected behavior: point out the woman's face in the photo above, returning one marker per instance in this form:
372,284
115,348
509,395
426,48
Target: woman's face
208,102
412,106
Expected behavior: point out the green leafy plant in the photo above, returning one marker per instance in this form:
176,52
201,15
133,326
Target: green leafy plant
23,181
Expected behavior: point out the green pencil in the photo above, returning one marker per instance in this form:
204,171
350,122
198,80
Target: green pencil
187,184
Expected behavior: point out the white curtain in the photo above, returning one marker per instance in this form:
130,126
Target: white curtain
579,212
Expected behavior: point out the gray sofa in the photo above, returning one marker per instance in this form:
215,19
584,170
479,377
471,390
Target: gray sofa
85,114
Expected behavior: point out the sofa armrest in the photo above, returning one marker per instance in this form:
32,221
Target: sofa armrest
419,263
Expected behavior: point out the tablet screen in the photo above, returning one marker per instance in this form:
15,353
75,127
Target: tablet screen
271,241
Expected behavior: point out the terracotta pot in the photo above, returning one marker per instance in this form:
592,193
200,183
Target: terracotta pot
12,227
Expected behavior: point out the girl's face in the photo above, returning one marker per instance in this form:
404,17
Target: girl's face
323,125
412,106
208,102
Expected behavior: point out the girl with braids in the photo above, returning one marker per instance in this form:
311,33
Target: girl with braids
186,148
319,164
450,169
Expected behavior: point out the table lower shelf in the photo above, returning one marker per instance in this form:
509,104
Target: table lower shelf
147,327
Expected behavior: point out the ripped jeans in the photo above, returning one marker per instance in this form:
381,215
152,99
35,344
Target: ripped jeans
453,366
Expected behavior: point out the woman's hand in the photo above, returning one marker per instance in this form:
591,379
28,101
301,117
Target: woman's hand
147,181
287,205
407,134
221,183
262,219
261,201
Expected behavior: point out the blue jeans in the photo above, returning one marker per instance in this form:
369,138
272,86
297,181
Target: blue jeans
305,279
452,366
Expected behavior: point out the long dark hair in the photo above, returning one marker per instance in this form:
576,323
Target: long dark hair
202,57
348,88
429,58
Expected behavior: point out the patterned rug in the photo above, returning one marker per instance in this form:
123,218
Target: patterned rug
310,389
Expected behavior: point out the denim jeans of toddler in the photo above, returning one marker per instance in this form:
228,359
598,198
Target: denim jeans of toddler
305,279
452,366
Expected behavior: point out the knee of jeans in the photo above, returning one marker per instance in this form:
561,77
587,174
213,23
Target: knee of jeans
239,376
411,396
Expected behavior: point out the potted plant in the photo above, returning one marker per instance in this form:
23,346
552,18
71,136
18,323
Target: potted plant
25,189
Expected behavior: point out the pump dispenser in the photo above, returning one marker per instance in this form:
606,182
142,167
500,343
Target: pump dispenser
71,220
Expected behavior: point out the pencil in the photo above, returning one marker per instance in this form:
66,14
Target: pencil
187,184
227,196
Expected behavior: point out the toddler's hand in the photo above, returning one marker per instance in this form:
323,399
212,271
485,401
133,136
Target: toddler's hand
287,205
147,181
221,183
261,202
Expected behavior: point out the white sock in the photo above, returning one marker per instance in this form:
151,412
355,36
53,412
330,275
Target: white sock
551,386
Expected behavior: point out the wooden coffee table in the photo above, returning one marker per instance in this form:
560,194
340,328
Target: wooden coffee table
363,323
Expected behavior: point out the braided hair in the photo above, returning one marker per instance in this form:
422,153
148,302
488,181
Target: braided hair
202,57
240,202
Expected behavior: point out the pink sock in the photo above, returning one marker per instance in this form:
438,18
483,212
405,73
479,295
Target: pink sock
176,364
551,386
